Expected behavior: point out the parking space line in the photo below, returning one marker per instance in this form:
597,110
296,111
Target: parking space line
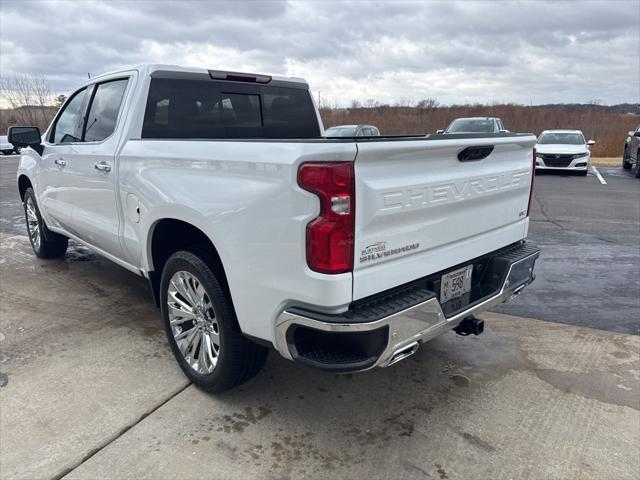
600,177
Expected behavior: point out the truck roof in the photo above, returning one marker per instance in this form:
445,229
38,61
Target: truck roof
352,126
477,118
561,131
149,68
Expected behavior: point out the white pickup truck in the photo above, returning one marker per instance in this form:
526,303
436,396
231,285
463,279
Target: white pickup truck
256,232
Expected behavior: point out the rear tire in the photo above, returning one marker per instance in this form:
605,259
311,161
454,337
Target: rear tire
45,243
201,324
7,152
625,160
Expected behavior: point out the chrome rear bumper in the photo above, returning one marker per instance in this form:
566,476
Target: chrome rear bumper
410,326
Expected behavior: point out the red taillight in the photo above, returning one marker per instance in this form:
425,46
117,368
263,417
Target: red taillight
330,235
533,176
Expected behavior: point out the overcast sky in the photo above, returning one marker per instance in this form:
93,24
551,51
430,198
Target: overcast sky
457,52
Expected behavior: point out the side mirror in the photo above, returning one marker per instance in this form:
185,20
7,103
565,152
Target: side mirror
631,133
591,142
22,137
439,131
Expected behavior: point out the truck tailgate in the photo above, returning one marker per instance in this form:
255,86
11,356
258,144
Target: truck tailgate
420,209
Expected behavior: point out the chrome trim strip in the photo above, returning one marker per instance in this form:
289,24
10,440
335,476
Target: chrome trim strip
419,323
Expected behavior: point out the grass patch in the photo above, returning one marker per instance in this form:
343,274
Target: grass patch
606,161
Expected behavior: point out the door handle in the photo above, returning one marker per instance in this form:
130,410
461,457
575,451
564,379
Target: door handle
102,166
60,162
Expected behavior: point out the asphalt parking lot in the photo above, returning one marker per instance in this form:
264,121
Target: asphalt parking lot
89,389
589,232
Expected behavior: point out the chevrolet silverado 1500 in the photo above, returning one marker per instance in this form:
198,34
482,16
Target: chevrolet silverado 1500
256,232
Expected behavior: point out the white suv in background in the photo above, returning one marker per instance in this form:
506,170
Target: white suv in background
563,150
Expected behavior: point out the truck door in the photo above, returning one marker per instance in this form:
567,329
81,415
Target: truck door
55,196
91,174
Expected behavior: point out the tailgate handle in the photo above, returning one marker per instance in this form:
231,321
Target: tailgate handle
470,154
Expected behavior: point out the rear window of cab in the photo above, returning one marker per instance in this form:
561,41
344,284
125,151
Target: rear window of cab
206,109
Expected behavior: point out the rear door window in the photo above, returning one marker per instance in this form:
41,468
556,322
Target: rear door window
206,109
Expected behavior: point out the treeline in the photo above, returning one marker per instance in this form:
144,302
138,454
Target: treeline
607,125
27,100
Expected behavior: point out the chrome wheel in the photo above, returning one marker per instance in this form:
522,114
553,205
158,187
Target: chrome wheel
193,322
33,226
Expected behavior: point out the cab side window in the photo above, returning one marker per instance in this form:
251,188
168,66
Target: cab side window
68,126
104,109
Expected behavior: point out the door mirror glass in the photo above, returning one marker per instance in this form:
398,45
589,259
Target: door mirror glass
24,136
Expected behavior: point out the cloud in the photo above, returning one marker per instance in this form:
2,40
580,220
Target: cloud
527,52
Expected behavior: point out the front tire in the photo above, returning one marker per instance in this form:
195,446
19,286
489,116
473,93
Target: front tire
201,324
45,243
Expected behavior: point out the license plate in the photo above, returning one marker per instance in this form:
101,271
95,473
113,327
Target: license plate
455,284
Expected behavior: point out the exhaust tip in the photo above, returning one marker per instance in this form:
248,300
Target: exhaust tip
403,353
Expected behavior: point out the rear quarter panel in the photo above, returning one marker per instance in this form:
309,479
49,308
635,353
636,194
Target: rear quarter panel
244,196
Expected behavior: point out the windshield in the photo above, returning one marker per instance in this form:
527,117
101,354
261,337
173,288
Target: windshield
561,138
468,125
340,132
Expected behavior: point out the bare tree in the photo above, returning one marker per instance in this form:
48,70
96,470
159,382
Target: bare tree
427,104
59,100
28,98
372,103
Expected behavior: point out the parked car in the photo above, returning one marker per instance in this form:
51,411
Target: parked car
563,150
631,153
5,147
475,125
250,243
352,131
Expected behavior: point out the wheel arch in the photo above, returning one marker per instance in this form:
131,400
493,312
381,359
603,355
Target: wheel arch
23,183
167,236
